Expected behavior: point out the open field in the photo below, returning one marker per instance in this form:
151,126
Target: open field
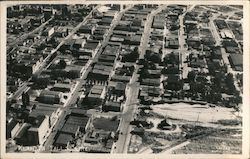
200,113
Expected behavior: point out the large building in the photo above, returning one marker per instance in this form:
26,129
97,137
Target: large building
37,132
50,97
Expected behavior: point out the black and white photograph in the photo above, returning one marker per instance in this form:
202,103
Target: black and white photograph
121,78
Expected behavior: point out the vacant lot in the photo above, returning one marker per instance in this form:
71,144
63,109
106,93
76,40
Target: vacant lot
196,112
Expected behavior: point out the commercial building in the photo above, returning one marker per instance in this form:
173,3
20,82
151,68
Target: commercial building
48,32
112,106
50,97
236,61
12,128
37,132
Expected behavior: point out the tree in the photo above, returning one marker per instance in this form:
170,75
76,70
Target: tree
191,76
62,64
23,100
27,99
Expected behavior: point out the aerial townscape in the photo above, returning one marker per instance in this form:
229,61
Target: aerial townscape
123,78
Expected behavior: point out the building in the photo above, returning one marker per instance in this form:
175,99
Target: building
91,47
112,106
117,88
27,64
120,78
50,97
236,61
62,87
88,28
52,111
151,82
105,124
79,43
48,32
21,136
96,95
172,43
70,129
12,128
100,72
75,71
63,140
38,131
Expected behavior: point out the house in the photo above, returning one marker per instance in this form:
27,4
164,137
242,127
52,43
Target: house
138,131
165,125
172,43
37,132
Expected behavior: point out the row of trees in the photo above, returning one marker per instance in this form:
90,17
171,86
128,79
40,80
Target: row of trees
25,99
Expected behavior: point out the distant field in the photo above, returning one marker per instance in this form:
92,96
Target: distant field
196,112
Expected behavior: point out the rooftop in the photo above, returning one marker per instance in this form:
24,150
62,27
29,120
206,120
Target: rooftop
106,124
63,139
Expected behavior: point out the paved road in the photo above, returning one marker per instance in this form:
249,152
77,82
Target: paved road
132,98
147,30
126,117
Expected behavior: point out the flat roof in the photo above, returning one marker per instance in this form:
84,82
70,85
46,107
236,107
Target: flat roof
76,120
90,45
237,59
69,128
105,124
113,104
47,92
63,139
62,85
